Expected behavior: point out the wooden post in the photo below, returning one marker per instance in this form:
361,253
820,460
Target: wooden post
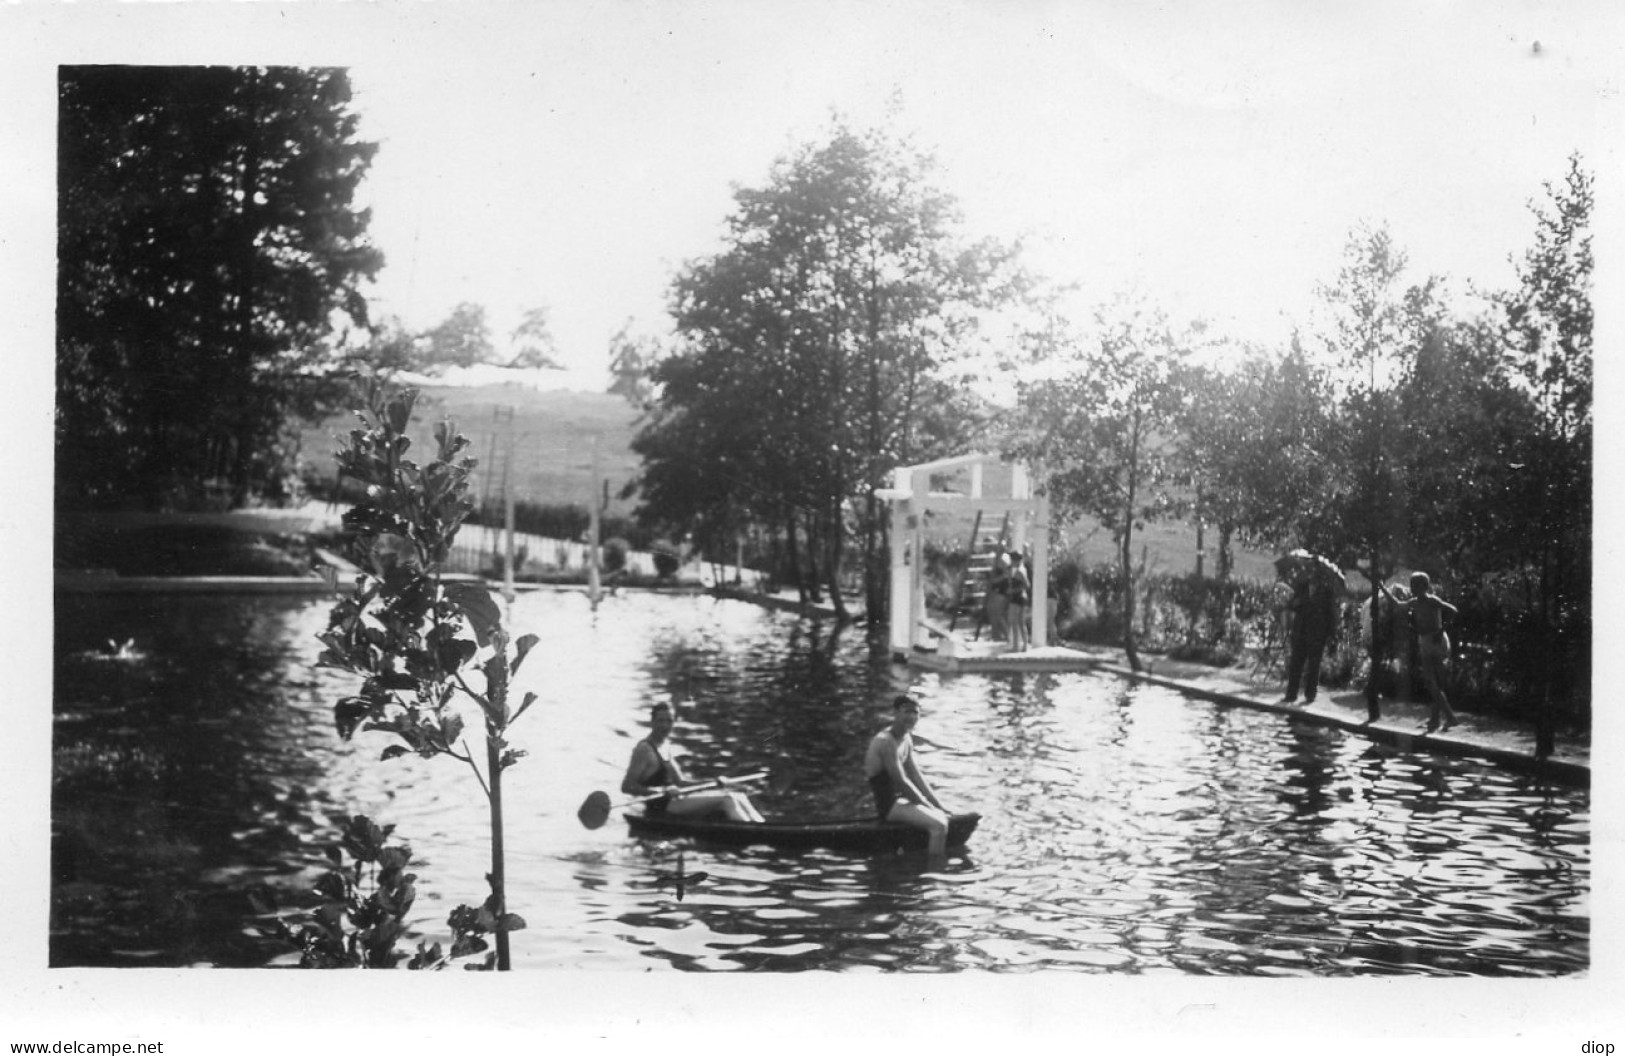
593,588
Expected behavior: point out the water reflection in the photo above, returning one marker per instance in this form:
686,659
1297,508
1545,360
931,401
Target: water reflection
1128,829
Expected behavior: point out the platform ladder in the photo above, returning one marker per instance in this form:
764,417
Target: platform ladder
971,594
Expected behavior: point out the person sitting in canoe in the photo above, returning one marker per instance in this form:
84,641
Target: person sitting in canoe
901,792
651,770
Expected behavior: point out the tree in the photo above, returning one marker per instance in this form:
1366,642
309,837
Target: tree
1371,334
207,241
631,358
1254,443
462,339
536,349
1100,419
391,348
1548,339
823,331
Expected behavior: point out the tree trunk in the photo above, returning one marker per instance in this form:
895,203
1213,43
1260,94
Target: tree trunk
1372,708
247,416
835,543
1126,555
499,879
1225,560
792,557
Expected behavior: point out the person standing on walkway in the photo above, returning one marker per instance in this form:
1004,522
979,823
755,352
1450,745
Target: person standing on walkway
1427,611
1312,618
901,792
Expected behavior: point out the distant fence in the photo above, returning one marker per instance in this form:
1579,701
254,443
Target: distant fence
480,549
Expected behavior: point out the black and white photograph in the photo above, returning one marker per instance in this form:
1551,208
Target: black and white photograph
810,523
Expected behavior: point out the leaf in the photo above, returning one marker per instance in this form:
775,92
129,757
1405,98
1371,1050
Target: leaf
453,654
451,728
530,698
399,410
394,751
521,649
348,714
511,922
475,603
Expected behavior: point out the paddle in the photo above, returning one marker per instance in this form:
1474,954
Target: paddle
596,808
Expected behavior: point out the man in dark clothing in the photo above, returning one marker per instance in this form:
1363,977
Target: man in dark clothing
1313,619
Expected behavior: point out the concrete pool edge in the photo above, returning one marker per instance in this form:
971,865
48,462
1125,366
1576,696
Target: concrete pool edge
1501,742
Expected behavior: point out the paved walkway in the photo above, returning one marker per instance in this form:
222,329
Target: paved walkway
1504,741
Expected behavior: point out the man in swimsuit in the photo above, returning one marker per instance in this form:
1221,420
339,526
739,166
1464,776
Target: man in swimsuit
652,770
901,792
1427,612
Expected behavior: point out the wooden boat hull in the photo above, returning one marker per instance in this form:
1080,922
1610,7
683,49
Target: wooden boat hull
866,835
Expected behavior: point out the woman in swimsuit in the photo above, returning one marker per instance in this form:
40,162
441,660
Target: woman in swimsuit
652,770
1432,644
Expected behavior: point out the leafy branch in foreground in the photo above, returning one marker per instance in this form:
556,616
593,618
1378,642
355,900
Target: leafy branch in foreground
424,646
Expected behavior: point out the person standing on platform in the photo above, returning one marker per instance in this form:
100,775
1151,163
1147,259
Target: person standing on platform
998,597
1021,590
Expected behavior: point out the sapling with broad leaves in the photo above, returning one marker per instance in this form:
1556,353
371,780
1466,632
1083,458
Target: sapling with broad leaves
424,646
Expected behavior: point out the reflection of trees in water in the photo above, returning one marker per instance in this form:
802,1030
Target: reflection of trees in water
885,911
185,733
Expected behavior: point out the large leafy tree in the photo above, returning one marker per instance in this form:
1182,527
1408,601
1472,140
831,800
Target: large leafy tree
1100,416
1255,443
1369,336
823,333
631,358
534,346
462,339
207,245
1548,340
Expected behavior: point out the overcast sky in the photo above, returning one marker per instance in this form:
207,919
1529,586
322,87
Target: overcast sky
1215,155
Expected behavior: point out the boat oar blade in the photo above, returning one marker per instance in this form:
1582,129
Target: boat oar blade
595,810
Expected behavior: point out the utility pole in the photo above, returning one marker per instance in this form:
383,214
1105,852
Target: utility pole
593,590
507,523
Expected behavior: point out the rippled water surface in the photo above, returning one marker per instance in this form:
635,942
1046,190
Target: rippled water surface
1126,829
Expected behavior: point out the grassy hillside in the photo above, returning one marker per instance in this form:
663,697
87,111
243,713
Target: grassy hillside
552,432
552,464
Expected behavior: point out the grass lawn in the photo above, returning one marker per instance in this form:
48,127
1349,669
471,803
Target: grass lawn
553,435
177,549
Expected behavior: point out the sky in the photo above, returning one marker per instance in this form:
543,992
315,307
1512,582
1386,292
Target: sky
1215,156
574,155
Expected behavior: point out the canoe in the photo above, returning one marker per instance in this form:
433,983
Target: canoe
868,835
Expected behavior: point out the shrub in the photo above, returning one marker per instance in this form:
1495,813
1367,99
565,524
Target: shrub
666,560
